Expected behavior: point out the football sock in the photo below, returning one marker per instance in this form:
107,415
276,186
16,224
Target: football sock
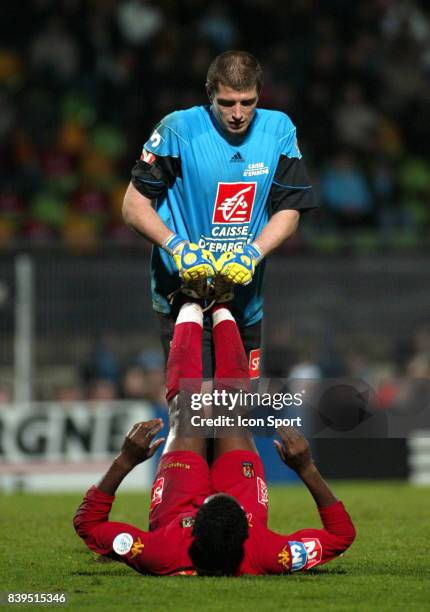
230,356
185,356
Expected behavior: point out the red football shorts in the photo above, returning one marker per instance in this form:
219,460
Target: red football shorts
241,474
181,485
184,480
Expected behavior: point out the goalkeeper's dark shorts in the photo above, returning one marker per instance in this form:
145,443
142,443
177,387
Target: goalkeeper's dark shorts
251,338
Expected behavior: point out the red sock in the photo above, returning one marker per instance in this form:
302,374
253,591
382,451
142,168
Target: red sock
185,356
230,356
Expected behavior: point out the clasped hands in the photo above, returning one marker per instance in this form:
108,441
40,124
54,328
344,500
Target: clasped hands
196,264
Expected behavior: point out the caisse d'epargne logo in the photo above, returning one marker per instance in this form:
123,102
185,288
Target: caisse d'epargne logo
234,202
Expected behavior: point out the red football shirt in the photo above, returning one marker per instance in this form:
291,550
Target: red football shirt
163,551
182,483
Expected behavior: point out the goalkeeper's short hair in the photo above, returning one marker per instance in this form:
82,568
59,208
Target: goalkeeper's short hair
236,69
220,530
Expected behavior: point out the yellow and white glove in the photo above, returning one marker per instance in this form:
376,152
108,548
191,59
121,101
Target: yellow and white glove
193,263
238,266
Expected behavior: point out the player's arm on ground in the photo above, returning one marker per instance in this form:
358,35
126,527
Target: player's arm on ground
119,541
307,548
295,452
136,449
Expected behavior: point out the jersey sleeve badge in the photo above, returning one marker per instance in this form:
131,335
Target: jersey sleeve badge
147,157
157,492
284,558
263,497
313,550
248,469
137,547
122,543
299,556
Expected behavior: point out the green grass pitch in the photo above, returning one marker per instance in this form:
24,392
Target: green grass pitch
387,568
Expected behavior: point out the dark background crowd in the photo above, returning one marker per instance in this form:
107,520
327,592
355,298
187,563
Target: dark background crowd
83,82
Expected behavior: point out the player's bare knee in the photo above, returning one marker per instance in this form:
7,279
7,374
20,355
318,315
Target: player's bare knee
174,414
173,408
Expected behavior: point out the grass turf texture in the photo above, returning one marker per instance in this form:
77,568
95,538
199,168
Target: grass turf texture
387,567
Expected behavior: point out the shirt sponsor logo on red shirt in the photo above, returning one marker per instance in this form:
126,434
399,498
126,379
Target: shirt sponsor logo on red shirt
234,202
157,492
313,550
254,363
263,497
178,464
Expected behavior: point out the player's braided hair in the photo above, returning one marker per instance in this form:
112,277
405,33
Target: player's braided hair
220,529
236,69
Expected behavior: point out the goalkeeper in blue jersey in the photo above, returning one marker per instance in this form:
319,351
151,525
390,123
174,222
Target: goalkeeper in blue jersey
216,190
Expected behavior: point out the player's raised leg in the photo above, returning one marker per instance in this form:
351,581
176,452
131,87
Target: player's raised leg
182,480
231,364
184,362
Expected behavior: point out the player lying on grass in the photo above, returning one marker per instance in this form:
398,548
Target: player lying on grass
210,520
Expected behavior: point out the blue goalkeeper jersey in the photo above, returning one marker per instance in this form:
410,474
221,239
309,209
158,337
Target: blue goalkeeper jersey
220,193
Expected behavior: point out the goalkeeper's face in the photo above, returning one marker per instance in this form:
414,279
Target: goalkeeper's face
234,110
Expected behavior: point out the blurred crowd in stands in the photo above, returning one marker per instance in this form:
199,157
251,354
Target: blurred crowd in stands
83,82
105,378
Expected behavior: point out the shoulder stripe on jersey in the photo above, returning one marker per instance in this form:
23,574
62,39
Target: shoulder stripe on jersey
293,186
152,182
157,154
176,133
286,135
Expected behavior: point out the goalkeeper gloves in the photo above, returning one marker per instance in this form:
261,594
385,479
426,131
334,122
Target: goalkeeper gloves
238,266
193,263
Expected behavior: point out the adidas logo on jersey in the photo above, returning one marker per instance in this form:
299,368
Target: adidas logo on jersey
237,157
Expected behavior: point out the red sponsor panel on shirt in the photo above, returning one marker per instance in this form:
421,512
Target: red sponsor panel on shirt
234,202
157,492
263,497
254,363
314,551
